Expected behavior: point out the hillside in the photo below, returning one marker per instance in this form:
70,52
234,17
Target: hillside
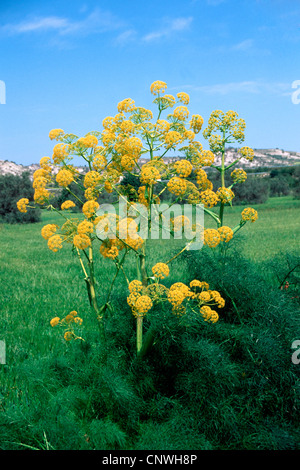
263,158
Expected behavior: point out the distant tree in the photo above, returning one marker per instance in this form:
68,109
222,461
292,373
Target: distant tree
255,190
64,195
296,185
279,186
13,188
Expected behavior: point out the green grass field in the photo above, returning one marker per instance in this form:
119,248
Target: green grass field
37,284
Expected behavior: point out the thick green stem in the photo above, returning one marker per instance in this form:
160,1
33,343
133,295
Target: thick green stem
139,334
222,179
93,299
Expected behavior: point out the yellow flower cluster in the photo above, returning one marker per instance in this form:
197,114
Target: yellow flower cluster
225,195
48,231
209,198
89,141
201,179
212,237
162,126
177,186
183,97
126,105
110,249
99,162
55,134
183,168
205,158
81,241
176,297
238,175
247,153
160,270
140,304
22,204
85,227
91,179
71,318
180,223
64,178
226,233
249,214
172,138
89,208
158,87
135,286
149,174
55,243
67,205
181,113
228,122
196,123
143,304
196,284
60,152
209,314
45,163
41,195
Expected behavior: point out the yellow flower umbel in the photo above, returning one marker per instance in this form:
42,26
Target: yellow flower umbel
226,233
183,168
48,231
142,305
177,186
181,113
212,237
56,134
22,204
81,241
55,243
247,153
238,175
209,314
67,205
71,321
64,178
149,174
196,123
249,214
183,97
60,152
160,270
135,286
225,195
209,198
89,208
172,138
158,87
85,227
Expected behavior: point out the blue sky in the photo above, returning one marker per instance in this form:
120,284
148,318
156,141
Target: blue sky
66,64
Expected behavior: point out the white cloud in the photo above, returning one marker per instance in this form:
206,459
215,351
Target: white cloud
243,45
214,3
247,86
97,21
171,26
126,37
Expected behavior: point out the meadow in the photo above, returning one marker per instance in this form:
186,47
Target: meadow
231,386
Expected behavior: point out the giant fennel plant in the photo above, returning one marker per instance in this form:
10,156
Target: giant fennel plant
133,132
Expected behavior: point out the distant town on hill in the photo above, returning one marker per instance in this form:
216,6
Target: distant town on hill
263,158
